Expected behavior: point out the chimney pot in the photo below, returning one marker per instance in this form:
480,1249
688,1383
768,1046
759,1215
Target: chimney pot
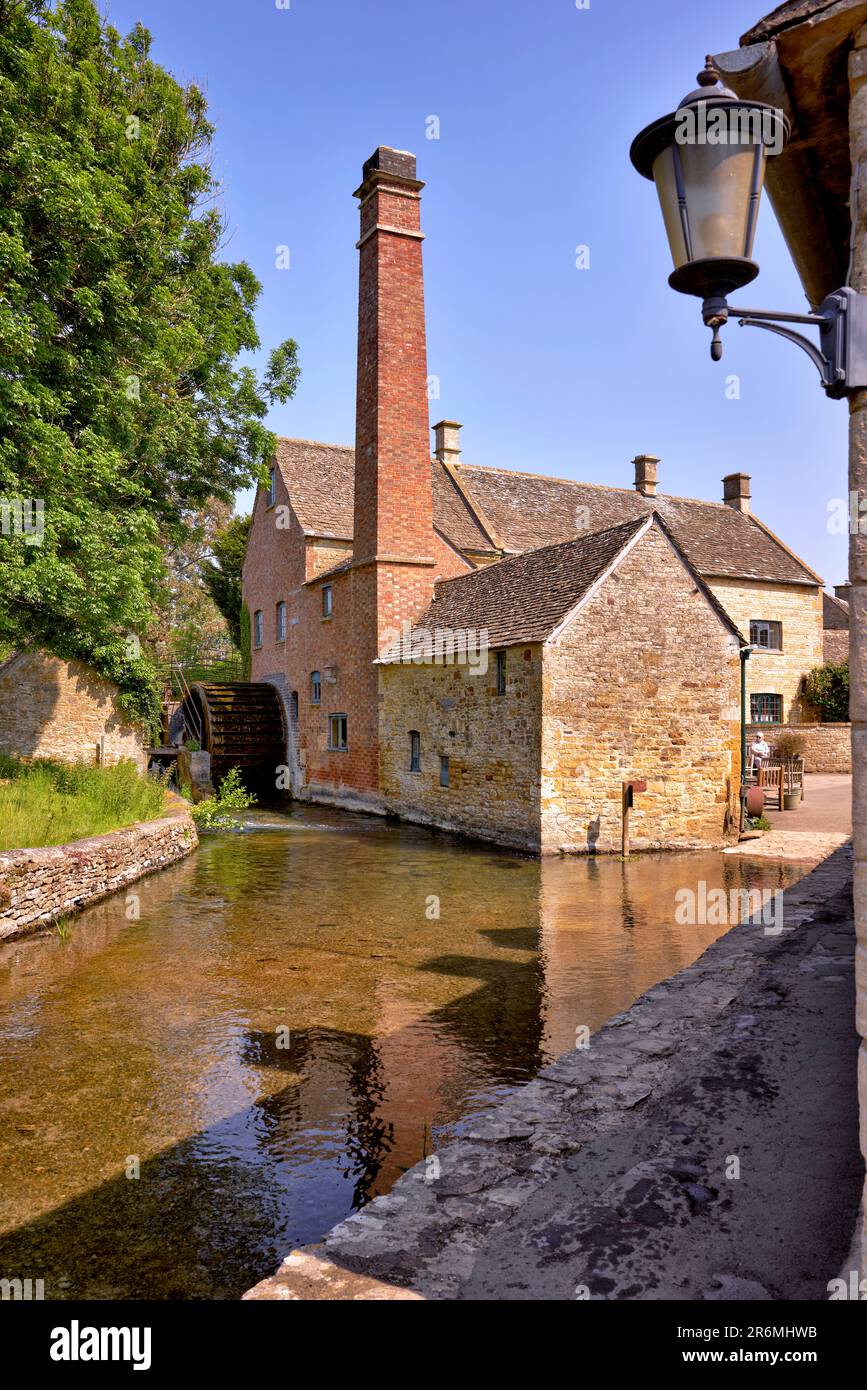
842,591
645,474
736,491
447,436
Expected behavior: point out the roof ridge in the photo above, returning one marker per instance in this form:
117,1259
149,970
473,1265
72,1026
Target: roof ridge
317,443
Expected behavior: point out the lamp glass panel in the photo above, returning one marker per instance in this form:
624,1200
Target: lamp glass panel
718,180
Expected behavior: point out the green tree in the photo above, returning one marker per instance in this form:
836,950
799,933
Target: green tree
222,575
827,689
123,408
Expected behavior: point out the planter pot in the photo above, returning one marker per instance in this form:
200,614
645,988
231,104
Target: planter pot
792,799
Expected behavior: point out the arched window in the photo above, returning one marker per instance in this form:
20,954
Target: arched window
315,688
414,751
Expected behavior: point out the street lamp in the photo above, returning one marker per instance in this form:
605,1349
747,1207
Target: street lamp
708,162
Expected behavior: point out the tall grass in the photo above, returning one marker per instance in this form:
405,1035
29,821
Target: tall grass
45,803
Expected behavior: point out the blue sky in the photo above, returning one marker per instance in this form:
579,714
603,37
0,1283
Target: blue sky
551,369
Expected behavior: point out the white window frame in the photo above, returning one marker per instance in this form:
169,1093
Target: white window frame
769,625
281,621
338,747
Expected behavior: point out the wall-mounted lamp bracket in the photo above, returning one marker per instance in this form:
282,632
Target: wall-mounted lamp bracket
841,354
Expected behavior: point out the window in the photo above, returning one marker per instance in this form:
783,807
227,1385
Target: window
337,733
327,601
272,485
501,673
766,709
315,688
414,751
281,622
257,629
444,771
768,636
293,706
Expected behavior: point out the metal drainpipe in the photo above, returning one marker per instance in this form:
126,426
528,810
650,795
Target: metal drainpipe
745,654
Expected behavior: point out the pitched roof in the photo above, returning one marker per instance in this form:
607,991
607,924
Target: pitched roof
525,597
526,511
835,611
320,480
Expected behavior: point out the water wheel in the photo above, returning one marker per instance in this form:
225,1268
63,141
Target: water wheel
241,725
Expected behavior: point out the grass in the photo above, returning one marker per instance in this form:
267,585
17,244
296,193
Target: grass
45,803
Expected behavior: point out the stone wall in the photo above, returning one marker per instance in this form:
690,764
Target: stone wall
827,747
642,686
835,646
63,710
39,885
492,742
799,608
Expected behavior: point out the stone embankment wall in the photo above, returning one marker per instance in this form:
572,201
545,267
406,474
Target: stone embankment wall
827,747
63,710
37,886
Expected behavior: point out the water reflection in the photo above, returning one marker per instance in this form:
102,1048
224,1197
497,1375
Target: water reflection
157,1040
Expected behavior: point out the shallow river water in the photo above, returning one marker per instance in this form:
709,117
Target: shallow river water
286,1025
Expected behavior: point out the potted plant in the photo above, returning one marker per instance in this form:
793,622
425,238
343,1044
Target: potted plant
788,750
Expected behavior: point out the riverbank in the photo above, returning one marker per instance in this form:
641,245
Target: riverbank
40,886
704,1146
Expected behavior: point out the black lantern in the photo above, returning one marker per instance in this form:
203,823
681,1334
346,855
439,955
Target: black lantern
707,160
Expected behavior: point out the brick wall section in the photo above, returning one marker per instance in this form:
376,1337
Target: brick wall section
61,709
492,742
827,747
39,885
799,609
636,688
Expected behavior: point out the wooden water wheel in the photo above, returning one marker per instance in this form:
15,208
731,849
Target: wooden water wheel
242,726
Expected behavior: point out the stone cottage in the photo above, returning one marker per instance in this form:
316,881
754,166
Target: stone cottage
589,685
349,546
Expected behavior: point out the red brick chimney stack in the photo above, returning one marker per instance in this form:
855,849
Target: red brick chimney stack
393,504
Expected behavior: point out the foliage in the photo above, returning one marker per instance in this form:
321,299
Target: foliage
222,575
46,803
122,407
827,689
788,746
758,823
189,625
217,813
246,643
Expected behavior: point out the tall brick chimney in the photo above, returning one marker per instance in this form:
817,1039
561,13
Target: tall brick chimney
393,504
736,491
645,474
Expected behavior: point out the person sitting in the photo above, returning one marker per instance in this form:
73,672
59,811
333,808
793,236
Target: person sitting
760,751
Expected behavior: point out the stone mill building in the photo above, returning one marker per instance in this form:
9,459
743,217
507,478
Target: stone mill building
493,651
